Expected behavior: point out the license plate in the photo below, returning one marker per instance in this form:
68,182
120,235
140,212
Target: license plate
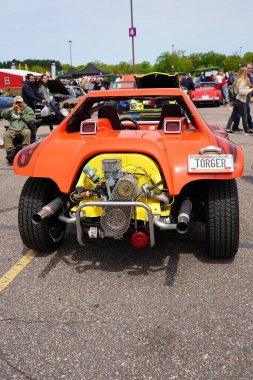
211,163
204,97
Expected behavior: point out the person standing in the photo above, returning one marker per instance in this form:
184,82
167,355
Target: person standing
235,126
250,76
19,116
84,84
30,94
243,88
45,93
119,80
221,83
97,85
187,82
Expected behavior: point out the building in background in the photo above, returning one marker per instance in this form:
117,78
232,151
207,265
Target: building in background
13,79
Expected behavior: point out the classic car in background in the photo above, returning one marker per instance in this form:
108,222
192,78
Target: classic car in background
205,93
118,177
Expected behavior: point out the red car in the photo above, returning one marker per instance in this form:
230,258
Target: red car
206,93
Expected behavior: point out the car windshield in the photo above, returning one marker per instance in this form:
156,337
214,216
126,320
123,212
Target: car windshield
205,84
122,85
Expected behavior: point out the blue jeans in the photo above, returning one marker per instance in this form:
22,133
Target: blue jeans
249,118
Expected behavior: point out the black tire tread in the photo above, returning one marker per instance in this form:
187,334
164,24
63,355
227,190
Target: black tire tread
222,219
35,194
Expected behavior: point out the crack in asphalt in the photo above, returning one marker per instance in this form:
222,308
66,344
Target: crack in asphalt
8,209
49,322
246,245
3,358
8,227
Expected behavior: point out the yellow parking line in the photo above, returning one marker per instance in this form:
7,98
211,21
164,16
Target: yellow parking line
9,276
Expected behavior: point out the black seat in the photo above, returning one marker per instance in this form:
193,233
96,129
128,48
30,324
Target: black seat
110,112
169,110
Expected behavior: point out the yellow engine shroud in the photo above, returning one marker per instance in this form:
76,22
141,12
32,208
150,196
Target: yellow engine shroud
143,167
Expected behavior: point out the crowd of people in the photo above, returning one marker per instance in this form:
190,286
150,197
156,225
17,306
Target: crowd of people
243,89
236,89
22,114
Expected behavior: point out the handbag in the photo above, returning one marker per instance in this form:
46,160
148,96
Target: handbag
45,111
233,93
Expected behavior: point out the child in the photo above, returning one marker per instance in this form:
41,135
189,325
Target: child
65,110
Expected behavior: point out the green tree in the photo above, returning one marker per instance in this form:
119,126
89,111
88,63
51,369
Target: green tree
143,67
248,57
165,62
39,69
66,67
232,62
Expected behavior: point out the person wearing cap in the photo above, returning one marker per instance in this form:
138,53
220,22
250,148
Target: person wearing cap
19,116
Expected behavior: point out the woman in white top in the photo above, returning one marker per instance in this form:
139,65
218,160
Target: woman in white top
45,93
242,88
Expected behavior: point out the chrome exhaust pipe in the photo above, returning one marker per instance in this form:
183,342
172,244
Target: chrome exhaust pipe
160,223
48,210
183,218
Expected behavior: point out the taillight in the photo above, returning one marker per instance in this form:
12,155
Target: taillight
88,127
172,125
26,153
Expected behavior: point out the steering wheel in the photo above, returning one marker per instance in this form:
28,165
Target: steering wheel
131,120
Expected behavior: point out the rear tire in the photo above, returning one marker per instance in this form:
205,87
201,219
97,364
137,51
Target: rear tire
46,236
222,219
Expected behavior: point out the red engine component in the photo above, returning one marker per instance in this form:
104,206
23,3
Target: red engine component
139,239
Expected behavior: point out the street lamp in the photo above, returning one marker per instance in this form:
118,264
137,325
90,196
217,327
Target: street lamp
70,53
132,33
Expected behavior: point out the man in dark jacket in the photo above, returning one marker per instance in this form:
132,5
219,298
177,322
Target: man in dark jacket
30,93
187,82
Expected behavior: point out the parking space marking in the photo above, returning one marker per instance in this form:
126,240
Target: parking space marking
9,276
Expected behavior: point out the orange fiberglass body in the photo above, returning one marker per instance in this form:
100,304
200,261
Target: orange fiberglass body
158,163
62,154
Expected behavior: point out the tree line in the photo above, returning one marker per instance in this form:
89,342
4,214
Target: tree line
165,62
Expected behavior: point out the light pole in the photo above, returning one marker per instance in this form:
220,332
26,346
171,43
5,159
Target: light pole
132,32
70,53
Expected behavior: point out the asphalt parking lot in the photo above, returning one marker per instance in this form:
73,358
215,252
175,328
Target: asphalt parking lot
109,311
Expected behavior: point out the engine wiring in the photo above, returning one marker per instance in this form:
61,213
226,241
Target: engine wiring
135,168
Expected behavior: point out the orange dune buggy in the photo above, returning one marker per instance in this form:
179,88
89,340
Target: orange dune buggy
158,168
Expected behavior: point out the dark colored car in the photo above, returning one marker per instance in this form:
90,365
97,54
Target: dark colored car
5,102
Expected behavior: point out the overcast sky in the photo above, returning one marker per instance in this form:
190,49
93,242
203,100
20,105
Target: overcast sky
99,29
